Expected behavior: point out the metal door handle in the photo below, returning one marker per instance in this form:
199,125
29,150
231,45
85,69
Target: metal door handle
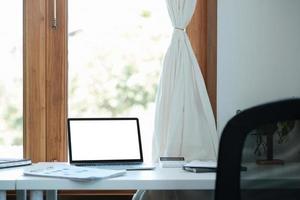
54,19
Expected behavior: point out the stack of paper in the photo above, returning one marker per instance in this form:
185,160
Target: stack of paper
71,172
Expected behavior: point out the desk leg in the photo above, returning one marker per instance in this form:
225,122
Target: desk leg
36,195
2,195
51,195
21,194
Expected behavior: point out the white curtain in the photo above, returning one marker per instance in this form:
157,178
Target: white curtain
184,121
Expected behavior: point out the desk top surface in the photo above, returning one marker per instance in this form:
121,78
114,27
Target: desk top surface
158,179
8,177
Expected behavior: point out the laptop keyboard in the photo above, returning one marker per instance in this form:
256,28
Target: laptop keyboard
119,166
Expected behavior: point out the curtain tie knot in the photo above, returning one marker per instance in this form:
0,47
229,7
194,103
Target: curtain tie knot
180,29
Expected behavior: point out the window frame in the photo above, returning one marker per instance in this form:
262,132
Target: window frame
45,72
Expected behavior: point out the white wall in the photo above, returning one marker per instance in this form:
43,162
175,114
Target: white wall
258,53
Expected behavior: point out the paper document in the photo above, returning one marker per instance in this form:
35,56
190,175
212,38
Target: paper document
71,172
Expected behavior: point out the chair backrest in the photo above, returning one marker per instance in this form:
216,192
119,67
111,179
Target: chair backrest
262,139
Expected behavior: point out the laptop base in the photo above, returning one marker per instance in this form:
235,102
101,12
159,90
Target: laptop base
122,166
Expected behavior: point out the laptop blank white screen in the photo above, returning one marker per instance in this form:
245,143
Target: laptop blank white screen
104,140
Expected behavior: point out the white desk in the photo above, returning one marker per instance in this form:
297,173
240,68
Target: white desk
158,179
8,179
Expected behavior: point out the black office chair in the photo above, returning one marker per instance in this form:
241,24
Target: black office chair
266,140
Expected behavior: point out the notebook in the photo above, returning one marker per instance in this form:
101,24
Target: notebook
111,143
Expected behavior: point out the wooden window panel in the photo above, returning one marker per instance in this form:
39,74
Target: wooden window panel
56,83
34,80
202,31
211,72
197,31
45,81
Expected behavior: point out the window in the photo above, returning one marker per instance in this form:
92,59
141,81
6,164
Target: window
11,77
45,63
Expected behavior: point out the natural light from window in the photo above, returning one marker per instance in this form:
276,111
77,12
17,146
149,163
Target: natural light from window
11,74
115,51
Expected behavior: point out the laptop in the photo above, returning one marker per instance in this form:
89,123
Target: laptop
111,143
